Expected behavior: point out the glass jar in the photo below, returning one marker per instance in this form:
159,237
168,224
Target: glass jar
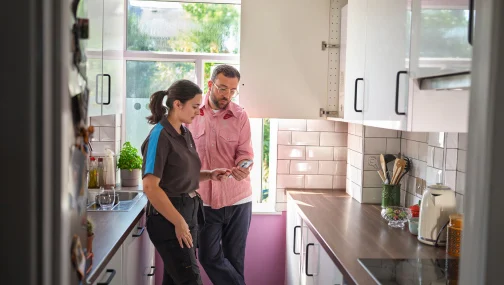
454,237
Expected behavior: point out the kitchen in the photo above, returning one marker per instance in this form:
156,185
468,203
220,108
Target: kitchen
361,104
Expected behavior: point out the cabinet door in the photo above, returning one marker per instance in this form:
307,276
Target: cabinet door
353,26
328,272
284,69
293,243
310,250
135,266
113,271
148,258
94,47
386,77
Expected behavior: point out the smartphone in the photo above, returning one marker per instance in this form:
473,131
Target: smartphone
246,164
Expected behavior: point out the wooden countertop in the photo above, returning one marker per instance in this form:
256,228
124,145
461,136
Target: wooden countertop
111,229
349,230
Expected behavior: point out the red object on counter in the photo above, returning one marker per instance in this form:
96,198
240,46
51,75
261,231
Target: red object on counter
415,210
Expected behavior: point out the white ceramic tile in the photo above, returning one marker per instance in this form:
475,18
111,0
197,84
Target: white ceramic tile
430,156
433,176
438,158
421,169
320,126
291,152
351,129
103,121
319,153
339,182
355,159
452,140
393,146
410,184
461,183
354,174
291,125
281,207
411,200
359,130
375,145
100,147
319,181
463,141
96,134
355,143
436,139
108,134
372,132
419,137
460,203
290,181
451,179
303,167
281,197
371,195
371,162
340,127
356,192
329,167
412,149
404,148
284,137
422,152
348,187
283,166
340,153
371,179
333,139
305,138
461,160
451,159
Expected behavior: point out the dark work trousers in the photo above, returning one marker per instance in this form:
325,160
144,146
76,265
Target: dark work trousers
180,266
222,243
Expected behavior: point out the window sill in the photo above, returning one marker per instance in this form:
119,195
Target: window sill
264,209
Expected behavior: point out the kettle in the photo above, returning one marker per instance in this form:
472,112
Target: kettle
438,203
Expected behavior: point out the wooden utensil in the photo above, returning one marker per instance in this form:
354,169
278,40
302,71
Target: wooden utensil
382,176
399,166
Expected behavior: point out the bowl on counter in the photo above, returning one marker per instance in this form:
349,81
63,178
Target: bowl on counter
413,225
396,216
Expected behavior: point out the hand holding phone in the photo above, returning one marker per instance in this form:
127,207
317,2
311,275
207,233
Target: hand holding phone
243,170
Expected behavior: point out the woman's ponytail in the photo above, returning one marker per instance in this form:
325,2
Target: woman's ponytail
156,106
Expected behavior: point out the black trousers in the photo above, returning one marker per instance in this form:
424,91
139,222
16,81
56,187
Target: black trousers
180,266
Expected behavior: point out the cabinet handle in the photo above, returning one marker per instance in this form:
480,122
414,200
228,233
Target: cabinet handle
306,260
397,92
355,95
153,271
142,229
471,20
109,79
112,274
294,246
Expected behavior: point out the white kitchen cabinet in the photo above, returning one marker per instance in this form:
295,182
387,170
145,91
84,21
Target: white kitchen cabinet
113,272
293,243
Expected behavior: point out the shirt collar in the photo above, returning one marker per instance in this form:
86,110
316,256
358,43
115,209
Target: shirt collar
232,108
171,130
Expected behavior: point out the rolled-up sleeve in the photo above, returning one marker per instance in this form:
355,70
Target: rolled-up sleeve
156,152
244,150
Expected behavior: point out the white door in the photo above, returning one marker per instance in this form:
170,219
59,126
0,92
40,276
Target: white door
284,69
293,243
386,70
353,26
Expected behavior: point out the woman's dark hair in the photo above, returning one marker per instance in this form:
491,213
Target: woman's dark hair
182,90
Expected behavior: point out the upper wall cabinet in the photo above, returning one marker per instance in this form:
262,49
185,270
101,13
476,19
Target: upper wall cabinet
392,48
284,68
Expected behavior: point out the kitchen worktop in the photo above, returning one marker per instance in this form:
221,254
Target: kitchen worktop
110,230
349,230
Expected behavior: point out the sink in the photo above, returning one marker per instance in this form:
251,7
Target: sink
127,199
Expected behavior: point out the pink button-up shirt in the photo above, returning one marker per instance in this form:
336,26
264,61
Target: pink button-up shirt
223,139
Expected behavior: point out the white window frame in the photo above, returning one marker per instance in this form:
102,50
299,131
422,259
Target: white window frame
199,59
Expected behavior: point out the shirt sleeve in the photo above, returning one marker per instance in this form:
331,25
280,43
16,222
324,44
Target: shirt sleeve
244,150
156,152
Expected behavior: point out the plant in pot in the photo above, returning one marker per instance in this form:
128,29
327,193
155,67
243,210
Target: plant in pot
130,164
90,237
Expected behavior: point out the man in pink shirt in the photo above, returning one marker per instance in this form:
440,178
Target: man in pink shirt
223,139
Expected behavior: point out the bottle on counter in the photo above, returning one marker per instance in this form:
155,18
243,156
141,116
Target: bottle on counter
101,176
109,169
93,173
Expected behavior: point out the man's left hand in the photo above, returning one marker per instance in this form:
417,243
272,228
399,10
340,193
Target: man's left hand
219,174
240,173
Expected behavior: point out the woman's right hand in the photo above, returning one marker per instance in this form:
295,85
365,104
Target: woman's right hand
183,234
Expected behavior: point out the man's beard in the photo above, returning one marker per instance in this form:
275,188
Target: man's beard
217,102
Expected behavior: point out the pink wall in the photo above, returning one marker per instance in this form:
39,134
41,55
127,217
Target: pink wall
265,253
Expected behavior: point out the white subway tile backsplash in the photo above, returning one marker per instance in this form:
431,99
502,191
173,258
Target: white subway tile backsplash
108,134
430,156
305,138
291,125
303,167
355,143
355,159
283,166
422,152
339,182
436,139
421,169
319,181
356,191
320,126
290,181
372,132
438,158
291,152
371,179
354,174
100,147
96,134
451,159
410,184
103,121
372,162
333,139
463,141
452,140
371,195
433,176
460,203
414,136
412,149
319,153
340,127
451,179
393,146
375,145
461,183
340,153
332,167
351,129
359,130
461,160
284,137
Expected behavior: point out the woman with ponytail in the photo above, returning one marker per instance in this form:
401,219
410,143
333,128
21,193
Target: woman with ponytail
171,176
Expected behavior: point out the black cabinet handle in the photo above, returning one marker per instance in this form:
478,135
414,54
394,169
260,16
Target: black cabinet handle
397,92
142,229
109,79
355,95
471,21
153,271
306,260
294,246
112,274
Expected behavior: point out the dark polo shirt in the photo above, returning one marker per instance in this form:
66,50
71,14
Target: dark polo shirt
172,157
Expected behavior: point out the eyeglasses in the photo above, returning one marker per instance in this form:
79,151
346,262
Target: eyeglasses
225,91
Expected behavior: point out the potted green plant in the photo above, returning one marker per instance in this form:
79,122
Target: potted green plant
130,164
90,237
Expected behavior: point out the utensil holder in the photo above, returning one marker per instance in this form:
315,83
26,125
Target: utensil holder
391,195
